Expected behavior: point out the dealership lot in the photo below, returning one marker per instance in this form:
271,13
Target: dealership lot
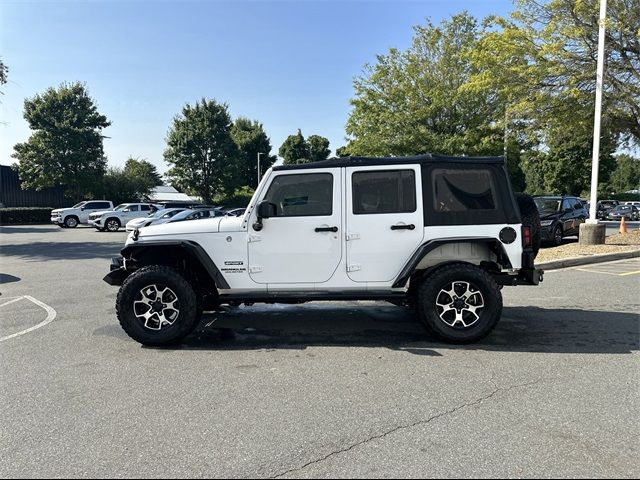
316,390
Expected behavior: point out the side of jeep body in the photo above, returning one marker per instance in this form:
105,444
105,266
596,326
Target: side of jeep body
349,228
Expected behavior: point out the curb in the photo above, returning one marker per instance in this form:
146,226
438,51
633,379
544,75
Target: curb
577,261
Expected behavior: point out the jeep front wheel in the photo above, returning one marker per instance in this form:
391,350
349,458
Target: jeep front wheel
459,303
156,306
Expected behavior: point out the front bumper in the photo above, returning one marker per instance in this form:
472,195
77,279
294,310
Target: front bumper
57,220
96,222
546,233
117,272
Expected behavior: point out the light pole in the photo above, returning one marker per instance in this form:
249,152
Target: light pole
595,233
259,168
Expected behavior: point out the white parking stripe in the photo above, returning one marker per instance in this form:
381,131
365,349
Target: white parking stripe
51,315
11,301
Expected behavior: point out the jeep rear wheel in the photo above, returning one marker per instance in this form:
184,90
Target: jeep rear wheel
156,306
71,222
459,303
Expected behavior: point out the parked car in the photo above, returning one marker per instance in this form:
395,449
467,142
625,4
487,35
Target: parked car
71,217
560,216
112,220
236,212
634,204
441,234
629,212
161,216
604,206
196,214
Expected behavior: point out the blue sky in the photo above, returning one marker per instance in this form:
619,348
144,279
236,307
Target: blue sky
288,64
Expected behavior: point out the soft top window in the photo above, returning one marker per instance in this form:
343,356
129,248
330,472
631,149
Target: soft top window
463,190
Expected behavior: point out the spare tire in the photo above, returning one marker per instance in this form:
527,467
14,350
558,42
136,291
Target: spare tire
530,217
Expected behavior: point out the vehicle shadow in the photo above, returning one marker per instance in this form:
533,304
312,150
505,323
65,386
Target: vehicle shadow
38,251
522,329
6,278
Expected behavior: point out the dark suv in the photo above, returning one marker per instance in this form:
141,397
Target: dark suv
560,216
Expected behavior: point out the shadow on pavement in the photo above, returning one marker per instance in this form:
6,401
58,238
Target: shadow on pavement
38,251
27,229
522,329
6,278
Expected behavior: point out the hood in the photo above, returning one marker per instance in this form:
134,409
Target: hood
60,210
550,216
207,225
97,214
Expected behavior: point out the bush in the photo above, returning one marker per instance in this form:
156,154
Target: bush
25,215
239,199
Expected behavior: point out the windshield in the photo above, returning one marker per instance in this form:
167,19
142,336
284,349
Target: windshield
120,207
622,208
547,205
79,205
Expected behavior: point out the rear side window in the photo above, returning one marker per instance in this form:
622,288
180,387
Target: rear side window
457,190
302,195
97,205
384,191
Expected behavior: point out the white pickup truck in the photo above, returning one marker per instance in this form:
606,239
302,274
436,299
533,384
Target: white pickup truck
71,217
115,218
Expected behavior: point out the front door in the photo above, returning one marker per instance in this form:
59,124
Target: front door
302,243
385,221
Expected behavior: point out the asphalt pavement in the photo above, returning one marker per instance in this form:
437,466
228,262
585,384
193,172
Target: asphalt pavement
316,390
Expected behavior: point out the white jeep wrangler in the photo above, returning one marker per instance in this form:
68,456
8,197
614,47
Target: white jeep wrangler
439,234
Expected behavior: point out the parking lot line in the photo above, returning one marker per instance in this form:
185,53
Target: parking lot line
51,315
12,301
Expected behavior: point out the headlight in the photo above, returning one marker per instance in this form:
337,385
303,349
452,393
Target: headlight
546,223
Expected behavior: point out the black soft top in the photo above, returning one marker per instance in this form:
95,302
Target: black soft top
428,158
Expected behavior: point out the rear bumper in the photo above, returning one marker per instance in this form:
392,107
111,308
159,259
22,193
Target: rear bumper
526,276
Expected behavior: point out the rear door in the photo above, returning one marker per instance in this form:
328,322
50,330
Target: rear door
385,221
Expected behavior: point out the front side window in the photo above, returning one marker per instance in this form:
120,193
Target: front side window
302,195
384,191
460,190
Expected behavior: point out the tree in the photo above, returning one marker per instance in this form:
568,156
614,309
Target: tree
342,151
65,147
251,139
626,175
142,174
318,148
200,150
294,149
544,59
4,70
415,101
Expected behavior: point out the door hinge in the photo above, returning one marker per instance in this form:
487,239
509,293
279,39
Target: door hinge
255,238
353,236
255,269
354,267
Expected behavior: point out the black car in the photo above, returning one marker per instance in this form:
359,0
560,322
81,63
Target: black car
604,207
629,212
560,216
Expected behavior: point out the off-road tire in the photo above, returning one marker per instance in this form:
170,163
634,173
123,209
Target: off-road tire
186,321
71,221
530,217
112,221
430,289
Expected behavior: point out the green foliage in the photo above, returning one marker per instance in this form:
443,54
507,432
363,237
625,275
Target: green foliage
201,151
239,199
543,61
625,197
131,183
23,216
142,174
294,149
297,149
626,175
318,148
4,70
343,151
251,139
415,101
65,147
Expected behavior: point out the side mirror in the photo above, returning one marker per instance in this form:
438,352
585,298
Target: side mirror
266,209
81,208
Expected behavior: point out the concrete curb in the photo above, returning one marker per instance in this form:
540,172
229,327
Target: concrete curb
577,261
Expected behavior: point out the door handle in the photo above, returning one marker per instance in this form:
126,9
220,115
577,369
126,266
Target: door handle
327,229
411,226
